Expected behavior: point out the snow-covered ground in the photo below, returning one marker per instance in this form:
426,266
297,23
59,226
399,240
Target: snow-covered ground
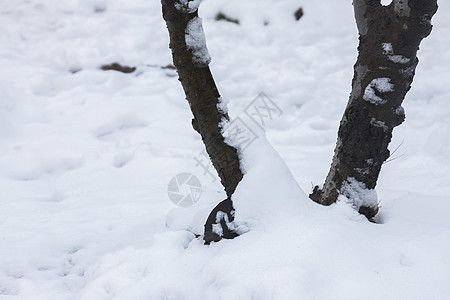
86,156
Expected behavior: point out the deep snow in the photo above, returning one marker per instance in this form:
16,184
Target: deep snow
87,155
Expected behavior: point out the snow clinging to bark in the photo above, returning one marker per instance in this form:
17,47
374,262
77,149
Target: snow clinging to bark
222,105
389,51
195,41
188,6
399,59
217,227
387,48
358,194
380,85
223,109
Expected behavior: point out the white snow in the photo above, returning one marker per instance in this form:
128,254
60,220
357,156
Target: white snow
387,48
86,157
399,59
195,41
189,6
357,194
389,51
223,105
380,85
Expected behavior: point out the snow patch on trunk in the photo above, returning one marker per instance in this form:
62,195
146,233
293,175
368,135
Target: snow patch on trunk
358,195
217,228
380,85
399,59
387,48
222,106
188,6
195,41
389,51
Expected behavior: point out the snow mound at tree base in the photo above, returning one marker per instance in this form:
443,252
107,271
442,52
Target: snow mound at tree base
291,246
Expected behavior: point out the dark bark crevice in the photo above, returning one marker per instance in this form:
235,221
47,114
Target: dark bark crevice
203,97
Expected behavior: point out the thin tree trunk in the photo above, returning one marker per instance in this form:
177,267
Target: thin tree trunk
191,58
389,37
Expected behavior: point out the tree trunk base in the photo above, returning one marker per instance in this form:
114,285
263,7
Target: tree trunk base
368,212
219,223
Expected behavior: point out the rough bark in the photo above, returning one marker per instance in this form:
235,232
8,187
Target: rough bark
389,37
203,97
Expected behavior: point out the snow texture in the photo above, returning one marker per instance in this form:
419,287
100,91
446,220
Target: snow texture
87,156
222,105
195,41
387,48
217,228
375,87
389,51
399,59
188,6
357,194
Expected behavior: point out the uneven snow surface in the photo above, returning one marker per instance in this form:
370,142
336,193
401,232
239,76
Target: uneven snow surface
87,155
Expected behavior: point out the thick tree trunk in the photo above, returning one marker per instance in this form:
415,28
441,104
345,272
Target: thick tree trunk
389,37
191,58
